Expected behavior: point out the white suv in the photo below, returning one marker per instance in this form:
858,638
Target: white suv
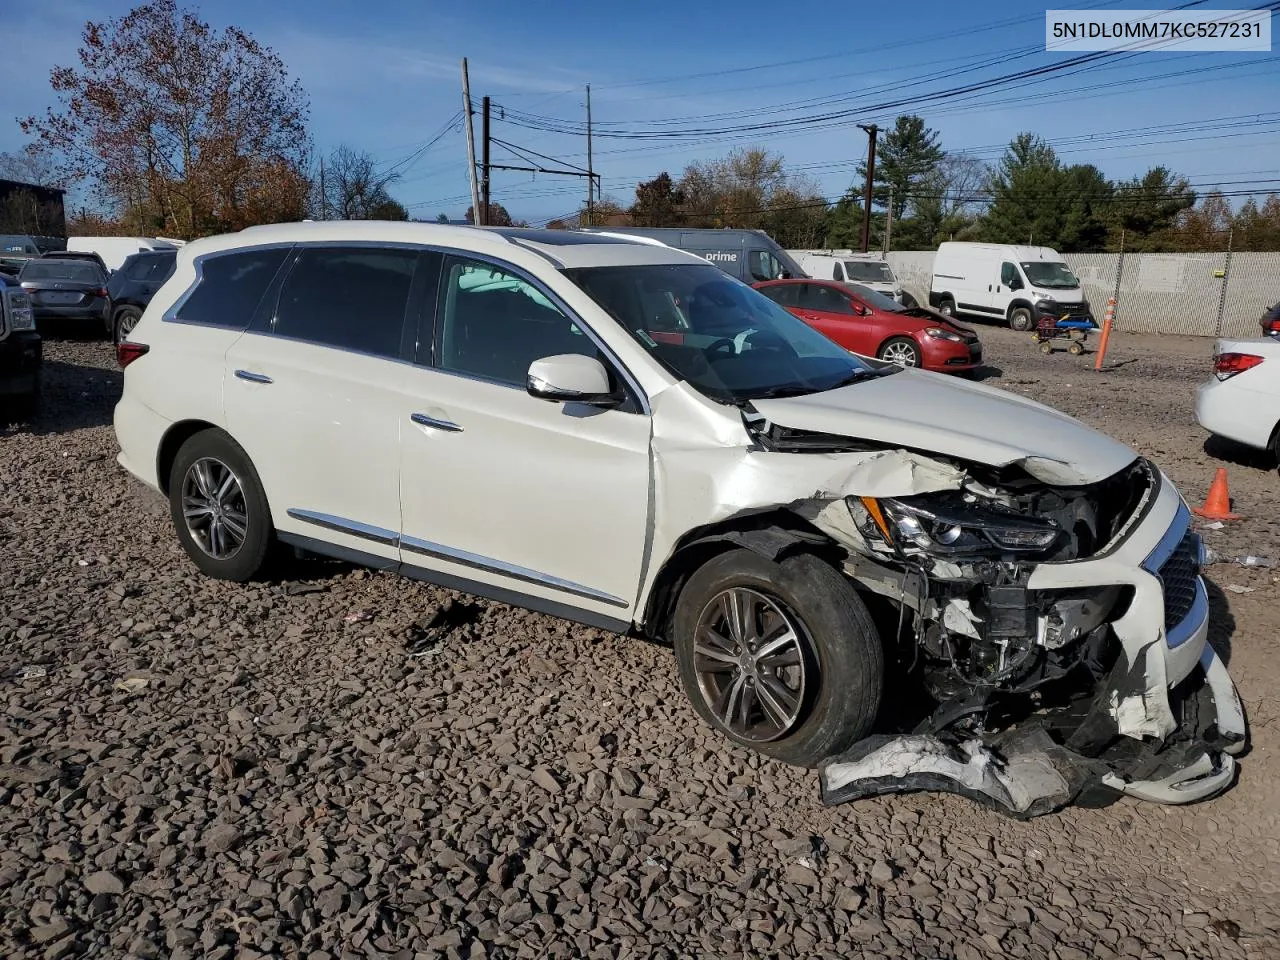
908,581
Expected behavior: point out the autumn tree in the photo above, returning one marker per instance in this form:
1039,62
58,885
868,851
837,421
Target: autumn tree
354,188
658,203
182,128
498,216
752,188
1258,229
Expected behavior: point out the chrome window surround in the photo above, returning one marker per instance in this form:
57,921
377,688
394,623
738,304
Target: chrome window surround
170,315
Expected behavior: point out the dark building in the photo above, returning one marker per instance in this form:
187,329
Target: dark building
26,208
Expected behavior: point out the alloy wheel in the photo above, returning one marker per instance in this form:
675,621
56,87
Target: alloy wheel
749,659
900,353
125,325
214,508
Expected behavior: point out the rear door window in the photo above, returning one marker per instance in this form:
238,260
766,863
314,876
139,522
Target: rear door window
352,298
825,300
150,269
783,294
230,288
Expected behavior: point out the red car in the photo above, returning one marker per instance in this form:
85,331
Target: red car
867,322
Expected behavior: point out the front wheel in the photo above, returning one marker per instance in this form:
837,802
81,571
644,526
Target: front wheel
902,351
1020,319
219,509
947,307
780,657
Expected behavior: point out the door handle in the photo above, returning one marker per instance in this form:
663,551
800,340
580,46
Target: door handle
424,421
253,377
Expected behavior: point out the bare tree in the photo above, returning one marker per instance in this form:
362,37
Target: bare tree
355,189
29,165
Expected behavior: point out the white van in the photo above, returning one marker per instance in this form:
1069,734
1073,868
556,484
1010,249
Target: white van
1015,283
865,269
114,251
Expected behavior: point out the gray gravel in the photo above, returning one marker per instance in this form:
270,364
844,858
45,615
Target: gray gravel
304,768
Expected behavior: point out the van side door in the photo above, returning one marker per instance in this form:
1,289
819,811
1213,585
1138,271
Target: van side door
1008,285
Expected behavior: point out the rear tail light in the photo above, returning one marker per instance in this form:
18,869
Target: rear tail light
127,352
1227,365
1270,327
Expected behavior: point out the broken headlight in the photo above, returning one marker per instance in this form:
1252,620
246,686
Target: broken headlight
958,526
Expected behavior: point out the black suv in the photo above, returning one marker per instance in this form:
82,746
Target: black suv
134,284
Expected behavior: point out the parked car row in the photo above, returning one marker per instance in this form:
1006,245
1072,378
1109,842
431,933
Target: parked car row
75,288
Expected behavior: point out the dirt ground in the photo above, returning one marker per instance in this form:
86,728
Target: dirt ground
191,768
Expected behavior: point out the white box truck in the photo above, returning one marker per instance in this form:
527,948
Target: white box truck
865,269
1005,281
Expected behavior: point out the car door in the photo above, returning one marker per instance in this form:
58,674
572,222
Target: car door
830,311
1005,286
511,496
314,393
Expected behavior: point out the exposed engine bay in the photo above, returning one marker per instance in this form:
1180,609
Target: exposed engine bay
1023,690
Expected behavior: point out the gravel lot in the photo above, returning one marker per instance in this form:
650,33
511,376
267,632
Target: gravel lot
196,769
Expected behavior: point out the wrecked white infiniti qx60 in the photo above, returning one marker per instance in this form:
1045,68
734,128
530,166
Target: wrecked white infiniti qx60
937,585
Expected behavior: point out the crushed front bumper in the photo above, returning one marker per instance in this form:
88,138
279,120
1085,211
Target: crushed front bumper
1164,725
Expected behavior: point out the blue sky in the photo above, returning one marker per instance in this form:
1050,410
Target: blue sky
384,77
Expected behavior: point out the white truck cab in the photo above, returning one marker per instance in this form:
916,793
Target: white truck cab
1019,284
867,269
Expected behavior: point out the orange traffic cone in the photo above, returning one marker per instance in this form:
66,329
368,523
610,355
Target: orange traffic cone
1217,505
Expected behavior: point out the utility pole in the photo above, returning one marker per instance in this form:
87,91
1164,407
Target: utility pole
484,161
324,196
590,172
476,216
871,173
888,223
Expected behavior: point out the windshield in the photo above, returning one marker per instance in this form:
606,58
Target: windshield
868,271
75,271
876,300
727,340
1046,273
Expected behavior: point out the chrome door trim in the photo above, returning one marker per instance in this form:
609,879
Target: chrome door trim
489,565
424,421
342,525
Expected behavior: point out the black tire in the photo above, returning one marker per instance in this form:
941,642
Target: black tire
1020,318
126,317
906,351
908,300
249,558
947,307
838,646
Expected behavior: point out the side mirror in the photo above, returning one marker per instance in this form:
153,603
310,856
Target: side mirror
786,275
571,378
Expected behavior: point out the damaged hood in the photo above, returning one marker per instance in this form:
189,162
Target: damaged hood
940,414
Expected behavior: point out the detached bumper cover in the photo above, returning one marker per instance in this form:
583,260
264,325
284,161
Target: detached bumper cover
1024,773
1163,725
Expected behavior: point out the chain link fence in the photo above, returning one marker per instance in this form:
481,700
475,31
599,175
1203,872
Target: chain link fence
1198,294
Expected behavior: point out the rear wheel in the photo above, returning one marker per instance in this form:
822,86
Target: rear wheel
902,351
1020,318
218,507
780,657
126,319
947,307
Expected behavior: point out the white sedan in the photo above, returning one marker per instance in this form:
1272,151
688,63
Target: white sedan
1242,400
